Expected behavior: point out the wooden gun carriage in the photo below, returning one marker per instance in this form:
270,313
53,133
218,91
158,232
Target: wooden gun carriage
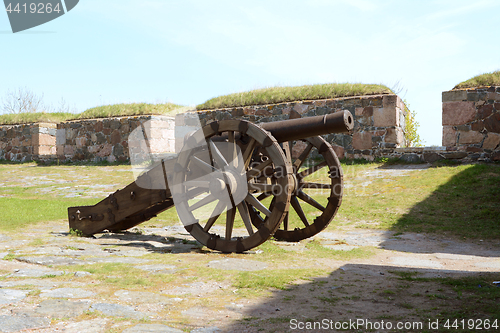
250,164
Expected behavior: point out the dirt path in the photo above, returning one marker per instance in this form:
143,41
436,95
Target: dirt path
38,291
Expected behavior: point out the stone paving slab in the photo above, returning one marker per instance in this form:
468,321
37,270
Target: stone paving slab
138,297
8,296
237,264
118,310
59,308
46,284
18,323
152,328
49,261
206,330
34,273
118,260
66,293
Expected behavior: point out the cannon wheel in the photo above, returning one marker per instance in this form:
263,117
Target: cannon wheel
216,232
314,203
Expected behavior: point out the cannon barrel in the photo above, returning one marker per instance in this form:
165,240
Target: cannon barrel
301,128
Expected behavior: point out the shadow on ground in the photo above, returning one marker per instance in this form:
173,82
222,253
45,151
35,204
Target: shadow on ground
376,294
465,211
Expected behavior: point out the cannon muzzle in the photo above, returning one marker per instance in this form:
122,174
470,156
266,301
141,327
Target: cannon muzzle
301,128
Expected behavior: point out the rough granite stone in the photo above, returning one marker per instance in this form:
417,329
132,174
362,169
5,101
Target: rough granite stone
237,264
59,308
117,310
66,293
8,296
362,140
458,113
19,323
470,137
454,95
491,141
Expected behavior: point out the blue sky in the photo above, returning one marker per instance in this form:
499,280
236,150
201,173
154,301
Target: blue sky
117,51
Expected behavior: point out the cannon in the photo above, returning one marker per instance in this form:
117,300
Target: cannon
235,184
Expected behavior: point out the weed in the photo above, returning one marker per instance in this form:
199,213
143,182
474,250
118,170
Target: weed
75,232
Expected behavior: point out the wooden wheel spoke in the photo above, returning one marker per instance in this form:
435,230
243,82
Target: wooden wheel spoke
202,202
217,155
245,216
193,193
312,169
299,161
257,204
296,206
219,208
197,183
254,172
303,196
202,165
233,152
317,186
247,156
265,188
263,196
288,153
230,222
285,222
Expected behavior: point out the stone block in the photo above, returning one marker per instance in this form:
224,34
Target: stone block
394,135
495,156
339,151
458,113
61,136
45,150
492,141
81,142
493,96
358,112
301,108
411,158
477,126
455,155
432,157
362,140
492,123
390,101
106,150
116,137
385,117
484,111
68,150
454,96
449,136
470,137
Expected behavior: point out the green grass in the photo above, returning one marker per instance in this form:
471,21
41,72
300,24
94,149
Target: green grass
115,110
39,117
483,80
19,213
462,201
133,109
289,94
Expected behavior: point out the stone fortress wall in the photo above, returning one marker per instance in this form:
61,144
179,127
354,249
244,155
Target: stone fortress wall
378,121
471,130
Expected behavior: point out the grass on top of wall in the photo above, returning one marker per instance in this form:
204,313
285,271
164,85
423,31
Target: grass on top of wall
483,80
116,110
132,109
39,117
289,94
